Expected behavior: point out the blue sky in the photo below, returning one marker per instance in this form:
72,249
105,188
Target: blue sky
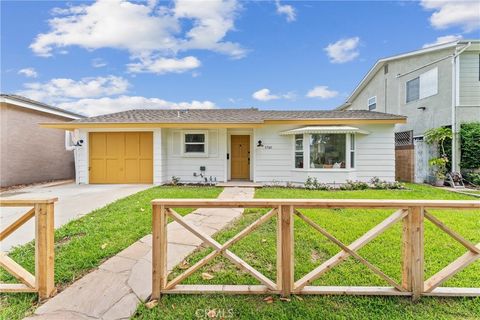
112,55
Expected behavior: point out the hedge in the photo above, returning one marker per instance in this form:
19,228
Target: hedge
470,142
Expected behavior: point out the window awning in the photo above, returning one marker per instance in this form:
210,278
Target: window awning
324,129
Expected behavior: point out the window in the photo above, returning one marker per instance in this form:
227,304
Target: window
372,103
194,143
327,151
423,86
413,89
352,151
385,69
299,151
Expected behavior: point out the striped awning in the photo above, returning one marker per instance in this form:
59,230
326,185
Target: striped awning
324,129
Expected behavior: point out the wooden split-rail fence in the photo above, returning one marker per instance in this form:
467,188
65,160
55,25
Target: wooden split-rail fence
411,213
43,280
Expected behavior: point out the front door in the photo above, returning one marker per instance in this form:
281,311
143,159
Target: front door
240,163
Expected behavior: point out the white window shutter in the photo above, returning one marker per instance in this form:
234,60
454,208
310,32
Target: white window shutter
213,142
177,143
429,83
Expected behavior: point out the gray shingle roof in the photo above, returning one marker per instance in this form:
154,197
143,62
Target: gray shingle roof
231,116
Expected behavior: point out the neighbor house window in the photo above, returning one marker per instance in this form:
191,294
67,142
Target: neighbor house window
372,103
423,86
352,151
299,151
327,151
194,143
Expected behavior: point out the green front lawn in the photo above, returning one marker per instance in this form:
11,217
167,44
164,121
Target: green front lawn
84,244
311,249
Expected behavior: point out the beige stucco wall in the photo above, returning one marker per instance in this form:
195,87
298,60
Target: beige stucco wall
29,153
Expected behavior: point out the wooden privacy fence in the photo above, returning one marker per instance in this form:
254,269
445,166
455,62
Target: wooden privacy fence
43,281
411,213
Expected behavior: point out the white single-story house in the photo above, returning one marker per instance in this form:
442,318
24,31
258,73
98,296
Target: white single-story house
220,145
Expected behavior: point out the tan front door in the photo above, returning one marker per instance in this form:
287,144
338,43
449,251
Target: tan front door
240,164
121,157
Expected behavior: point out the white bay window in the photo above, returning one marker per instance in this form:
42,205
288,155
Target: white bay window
327,151
324,147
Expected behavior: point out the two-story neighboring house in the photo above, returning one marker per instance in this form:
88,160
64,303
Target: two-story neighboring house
434,87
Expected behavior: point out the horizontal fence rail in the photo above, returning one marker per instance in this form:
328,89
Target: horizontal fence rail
411,213
43,280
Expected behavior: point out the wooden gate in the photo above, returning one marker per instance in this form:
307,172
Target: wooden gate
411,213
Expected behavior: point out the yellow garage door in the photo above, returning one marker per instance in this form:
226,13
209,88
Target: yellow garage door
121,157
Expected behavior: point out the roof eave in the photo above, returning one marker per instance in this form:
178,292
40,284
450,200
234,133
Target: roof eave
125,125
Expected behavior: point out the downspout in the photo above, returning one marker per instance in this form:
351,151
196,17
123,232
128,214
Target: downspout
455,165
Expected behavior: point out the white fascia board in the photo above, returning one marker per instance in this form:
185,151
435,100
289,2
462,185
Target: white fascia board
37,108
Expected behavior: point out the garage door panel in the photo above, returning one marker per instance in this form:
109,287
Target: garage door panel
97,171
114,145
98,145
132,170
121,157
132,145
114,171
146,171
146,143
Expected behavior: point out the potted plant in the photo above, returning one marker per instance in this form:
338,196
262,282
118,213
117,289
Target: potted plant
440,169
437,136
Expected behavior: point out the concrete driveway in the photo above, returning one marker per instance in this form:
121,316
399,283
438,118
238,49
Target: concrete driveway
74,201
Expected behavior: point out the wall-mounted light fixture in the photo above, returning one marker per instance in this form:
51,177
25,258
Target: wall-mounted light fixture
422,108
259,144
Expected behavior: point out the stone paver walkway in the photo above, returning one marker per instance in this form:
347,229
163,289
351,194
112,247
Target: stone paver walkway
114,290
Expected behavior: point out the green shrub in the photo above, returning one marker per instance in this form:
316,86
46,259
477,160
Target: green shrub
382,184
354,185
313,184
470,141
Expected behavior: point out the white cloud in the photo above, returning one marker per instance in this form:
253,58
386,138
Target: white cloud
165,65
465,14
287,10
444,39
343,50
322,92
264,95
62,89
146,31
91,107
212,20
28,72
98,63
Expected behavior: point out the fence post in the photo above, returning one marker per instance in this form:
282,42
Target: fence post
44,250
285,254
159,250
413,257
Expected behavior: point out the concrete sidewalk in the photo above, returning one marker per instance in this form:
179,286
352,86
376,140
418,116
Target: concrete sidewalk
74,201
115,289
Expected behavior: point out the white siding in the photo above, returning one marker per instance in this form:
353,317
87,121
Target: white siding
184,166
157,157
469,79
375,153
375,156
